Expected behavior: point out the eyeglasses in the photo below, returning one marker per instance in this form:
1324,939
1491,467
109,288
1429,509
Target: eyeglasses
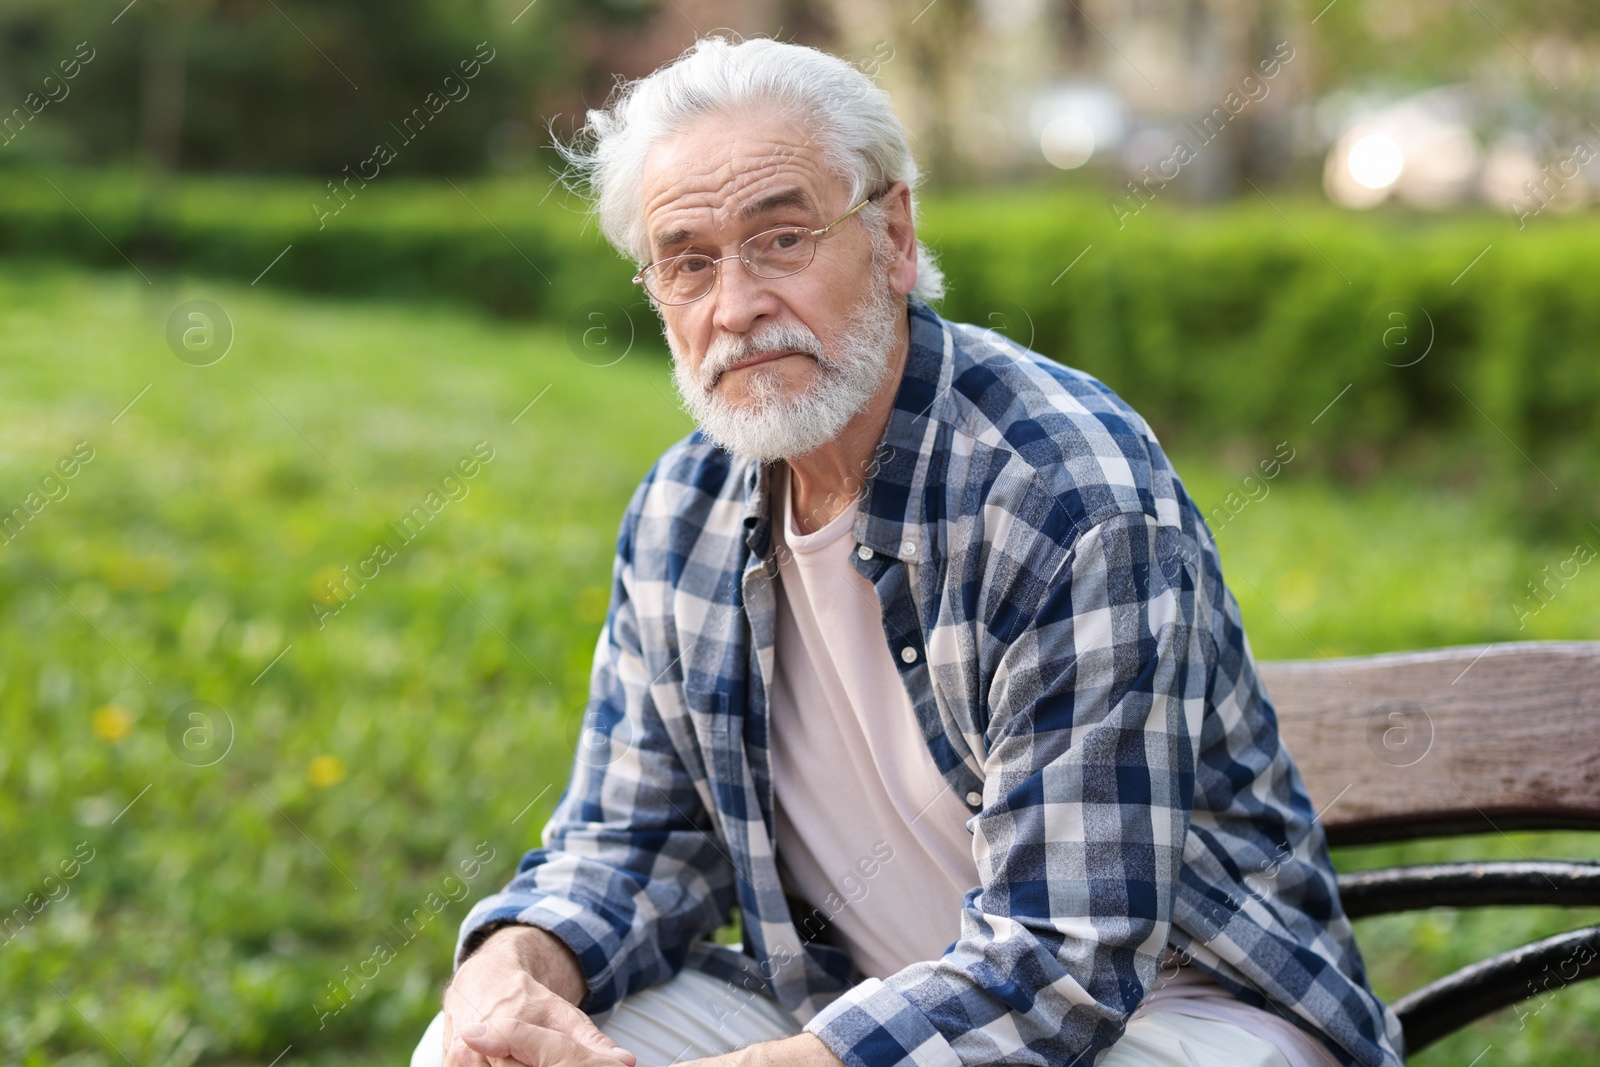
775,253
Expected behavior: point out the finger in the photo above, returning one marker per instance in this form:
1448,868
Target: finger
457,1053
523,1042
582,1029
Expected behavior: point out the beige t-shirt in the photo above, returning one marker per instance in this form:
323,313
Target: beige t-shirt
868,831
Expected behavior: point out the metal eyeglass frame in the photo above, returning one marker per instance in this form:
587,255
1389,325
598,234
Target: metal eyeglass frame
816,235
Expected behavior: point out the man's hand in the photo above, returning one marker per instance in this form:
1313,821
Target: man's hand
804,1049
515,1000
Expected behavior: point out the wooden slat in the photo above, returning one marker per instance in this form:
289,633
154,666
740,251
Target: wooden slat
1446,741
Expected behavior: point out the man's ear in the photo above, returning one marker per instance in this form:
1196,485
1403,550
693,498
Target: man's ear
896,204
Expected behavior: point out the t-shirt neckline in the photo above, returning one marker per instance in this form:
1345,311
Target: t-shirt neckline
817,539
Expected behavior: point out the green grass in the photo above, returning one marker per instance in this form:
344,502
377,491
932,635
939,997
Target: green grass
438,708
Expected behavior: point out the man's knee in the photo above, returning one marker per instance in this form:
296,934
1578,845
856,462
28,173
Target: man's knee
1172,1039
693,1016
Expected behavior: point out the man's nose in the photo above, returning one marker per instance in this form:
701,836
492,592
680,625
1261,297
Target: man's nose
741,297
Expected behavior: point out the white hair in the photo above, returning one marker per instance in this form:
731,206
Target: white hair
851,119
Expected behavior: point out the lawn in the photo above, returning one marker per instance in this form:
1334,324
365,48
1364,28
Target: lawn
381,732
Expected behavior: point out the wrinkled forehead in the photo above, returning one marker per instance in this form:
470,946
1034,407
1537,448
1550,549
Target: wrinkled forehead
719,171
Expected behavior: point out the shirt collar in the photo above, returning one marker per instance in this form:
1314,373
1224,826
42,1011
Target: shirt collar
888,520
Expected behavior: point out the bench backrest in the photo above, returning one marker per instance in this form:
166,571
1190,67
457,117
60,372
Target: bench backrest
1449,741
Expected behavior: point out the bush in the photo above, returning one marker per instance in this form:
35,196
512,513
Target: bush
1354,338
1235,321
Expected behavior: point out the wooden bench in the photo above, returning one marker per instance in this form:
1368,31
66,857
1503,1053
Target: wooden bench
1419,745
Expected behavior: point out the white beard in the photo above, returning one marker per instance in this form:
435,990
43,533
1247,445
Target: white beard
771,424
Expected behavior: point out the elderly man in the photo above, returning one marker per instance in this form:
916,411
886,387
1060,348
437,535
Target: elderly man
918,654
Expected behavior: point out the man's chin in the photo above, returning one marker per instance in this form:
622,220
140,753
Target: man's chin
742,450
761,432
766,378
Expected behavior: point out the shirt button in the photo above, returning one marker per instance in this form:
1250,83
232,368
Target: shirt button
909,548
974,798
908,654
864,552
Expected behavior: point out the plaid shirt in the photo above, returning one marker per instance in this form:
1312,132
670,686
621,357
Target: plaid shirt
1056,608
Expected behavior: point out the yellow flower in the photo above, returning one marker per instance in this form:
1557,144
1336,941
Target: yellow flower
112,723
325,771
124,571
330,585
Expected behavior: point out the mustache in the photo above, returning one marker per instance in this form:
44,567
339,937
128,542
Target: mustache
730,349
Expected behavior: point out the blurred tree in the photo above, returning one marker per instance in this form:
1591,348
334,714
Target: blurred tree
313,86
938,41
1419,43
282,85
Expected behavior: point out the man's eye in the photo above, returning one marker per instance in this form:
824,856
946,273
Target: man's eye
786,239
684,264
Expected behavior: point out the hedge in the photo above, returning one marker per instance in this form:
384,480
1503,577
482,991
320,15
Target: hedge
1258,321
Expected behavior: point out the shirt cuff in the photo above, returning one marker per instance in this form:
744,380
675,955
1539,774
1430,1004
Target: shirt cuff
874,1025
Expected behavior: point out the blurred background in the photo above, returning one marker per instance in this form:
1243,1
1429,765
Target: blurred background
321,400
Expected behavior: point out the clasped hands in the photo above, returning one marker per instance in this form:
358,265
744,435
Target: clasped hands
497,1014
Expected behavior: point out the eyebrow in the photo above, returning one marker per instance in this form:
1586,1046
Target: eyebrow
792,197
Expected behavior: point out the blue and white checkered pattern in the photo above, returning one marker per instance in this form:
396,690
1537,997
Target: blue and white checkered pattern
1056,608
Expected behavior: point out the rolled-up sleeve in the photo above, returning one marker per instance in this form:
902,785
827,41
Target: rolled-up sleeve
1094,711
630,873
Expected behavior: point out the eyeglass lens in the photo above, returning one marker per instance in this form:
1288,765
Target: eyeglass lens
774,254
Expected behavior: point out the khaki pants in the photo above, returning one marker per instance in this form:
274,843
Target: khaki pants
695,1015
